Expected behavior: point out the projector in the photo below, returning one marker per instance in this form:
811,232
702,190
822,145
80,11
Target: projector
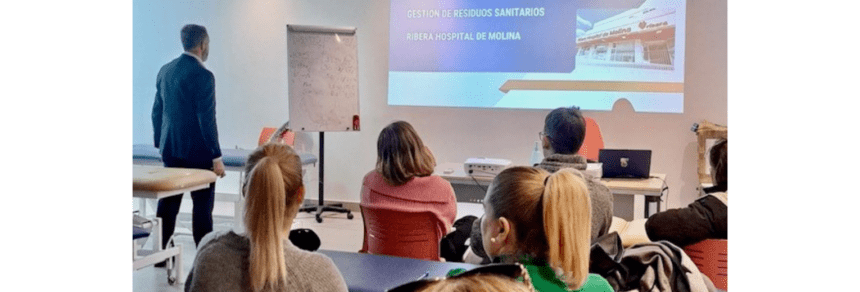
485,166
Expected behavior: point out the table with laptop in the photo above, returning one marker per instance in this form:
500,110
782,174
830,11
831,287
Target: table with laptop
624,172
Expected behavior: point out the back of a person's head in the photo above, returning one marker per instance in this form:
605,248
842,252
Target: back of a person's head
719,159
401,155
564,127
477,283
551,214
192,35
273,180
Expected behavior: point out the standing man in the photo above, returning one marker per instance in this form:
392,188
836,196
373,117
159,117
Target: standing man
183,119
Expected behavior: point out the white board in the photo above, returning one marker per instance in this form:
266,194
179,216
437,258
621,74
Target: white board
323,78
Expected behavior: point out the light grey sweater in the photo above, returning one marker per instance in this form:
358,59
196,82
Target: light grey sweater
222,265
601,197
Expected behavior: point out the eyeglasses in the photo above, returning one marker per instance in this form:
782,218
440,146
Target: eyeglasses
541,135
515,272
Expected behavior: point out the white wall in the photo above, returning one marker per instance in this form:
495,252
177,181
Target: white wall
248,58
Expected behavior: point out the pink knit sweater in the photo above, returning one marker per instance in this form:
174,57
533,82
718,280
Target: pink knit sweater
421,193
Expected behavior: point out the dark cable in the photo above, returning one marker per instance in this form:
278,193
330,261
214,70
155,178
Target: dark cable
477,183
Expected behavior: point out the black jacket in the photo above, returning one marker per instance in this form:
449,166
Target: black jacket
183,115
706,218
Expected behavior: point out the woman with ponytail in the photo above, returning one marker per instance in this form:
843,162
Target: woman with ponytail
263,258
543,221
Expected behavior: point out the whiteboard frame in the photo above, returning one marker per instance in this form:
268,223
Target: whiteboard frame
321,29
345,30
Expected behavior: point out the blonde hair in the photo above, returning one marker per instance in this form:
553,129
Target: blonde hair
273,177
547,208
401,155
567,219
477,283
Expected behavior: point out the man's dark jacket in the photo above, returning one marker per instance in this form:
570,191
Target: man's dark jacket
183,115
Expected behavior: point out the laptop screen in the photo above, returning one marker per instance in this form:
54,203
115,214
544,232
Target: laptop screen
625,163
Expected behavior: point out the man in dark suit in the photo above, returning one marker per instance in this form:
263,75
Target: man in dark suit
183,119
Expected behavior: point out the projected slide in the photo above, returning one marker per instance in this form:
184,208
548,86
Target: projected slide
537,54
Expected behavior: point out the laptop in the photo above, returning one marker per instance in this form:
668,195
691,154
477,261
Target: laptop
624,163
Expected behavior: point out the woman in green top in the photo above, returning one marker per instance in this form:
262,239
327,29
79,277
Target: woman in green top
543,221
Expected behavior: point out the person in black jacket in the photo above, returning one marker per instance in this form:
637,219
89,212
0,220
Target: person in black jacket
183,122
706,218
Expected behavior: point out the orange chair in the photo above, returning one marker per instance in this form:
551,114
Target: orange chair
711,257
593,140
402,233
288,137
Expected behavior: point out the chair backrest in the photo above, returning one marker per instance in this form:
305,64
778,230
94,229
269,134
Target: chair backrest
288,137
593,140
401,232
711,257
705,131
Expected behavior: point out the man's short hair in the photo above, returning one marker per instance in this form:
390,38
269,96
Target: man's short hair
565,130
192,35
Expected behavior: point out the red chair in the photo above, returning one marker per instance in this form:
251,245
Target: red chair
287,137
711,257
593,140
402,233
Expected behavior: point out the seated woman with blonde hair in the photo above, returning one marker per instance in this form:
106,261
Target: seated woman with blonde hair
489,278
480,283
264,259
542,221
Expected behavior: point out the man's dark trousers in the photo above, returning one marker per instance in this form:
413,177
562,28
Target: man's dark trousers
204,202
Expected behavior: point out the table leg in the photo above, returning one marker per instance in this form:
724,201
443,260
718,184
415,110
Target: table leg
657,203
238,213
647,207
142,204
239,208
180,276
639,206
156,238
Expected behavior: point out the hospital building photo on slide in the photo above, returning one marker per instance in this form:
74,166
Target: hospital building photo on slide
637,38
589,53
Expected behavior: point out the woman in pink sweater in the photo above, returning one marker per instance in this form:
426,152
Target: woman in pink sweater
403,176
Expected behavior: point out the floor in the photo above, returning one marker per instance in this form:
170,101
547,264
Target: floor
336,233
